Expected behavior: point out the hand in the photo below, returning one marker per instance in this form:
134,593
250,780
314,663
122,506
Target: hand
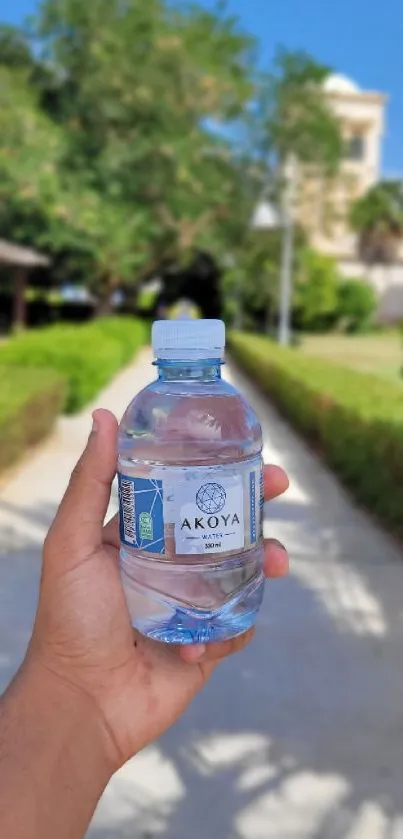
83,637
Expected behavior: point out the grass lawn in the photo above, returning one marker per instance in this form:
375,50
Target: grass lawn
380,353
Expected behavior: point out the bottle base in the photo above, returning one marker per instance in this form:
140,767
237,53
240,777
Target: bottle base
164,619
182,629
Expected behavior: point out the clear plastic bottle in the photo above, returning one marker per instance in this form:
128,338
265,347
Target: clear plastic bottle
190,493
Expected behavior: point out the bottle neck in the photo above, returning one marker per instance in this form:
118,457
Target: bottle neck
197,370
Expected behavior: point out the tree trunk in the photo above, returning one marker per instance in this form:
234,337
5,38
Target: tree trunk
19,302
104,305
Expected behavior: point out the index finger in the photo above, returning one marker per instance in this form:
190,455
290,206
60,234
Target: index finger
275,482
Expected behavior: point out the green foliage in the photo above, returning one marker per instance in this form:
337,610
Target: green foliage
382,205
297,118
356,305
113,149
30,401
252,282
113,154
257,274
127,331
138,84
355,418
14,49
87,356
378,218
291,120
316,291
322,300
31,149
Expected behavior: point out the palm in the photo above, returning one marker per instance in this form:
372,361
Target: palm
139,685
143,674
83,632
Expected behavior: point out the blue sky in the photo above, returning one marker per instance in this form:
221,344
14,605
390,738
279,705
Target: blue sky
360,38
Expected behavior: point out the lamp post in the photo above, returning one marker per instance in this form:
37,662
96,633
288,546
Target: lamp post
229,262
289,195
268,217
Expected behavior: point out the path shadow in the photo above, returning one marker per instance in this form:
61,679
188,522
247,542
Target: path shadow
297,737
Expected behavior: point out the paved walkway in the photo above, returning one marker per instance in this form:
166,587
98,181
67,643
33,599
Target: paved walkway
300,737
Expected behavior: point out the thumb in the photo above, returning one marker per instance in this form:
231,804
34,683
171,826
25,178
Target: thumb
79,520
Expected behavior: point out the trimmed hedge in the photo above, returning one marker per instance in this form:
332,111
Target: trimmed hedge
87,356
30,401
129,332
355,418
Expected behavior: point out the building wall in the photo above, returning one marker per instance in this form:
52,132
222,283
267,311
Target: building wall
323,205
387,282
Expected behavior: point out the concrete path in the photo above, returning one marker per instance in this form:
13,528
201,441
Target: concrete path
300,737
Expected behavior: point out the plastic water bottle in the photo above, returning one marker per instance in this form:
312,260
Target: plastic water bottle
190,493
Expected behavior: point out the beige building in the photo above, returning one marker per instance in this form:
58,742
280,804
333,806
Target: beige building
323,205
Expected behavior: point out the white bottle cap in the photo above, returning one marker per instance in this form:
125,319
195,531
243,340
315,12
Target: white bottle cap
186,340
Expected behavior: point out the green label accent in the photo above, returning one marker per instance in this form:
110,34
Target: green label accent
146,526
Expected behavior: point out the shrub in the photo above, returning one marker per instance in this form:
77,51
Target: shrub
30,401
129,332
355,418
316,287
356,305
87,356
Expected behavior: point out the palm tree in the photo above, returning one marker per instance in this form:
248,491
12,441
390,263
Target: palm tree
377,217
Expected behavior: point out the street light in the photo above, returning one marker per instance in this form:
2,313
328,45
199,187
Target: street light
229,262
268,217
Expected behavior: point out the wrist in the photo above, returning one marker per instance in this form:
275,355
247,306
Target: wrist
54,764
67,715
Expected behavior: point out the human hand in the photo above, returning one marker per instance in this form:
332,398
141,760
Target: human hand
83,638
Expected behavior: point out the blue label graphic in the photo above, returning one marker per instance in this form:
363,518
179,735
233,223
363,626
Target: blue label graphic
252,501
261,510
141,514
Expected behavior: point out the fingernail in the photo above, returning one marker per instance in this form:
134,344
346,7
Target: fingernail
94,425
279,544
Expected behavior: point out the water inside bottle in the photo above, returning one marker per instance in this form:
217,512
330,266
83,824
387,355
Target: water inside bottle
190,457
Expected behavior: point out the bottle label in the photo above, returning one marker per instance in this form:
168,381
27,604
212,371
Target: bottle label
141,514
210,515
216,510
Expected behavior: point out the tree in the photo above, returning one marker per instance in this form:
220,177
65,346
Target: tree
138,85
126,166
15,51
109,237
378,219
120,171
42,204
295,116
316,291
31,151
357,304
251,282
291,119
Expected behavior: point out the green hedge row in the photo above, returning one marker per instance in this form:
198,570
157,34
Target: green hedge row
30,401
355,418
87,356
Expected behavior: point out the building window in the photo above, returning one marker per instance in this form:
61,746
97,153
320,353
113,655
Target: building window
355,148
